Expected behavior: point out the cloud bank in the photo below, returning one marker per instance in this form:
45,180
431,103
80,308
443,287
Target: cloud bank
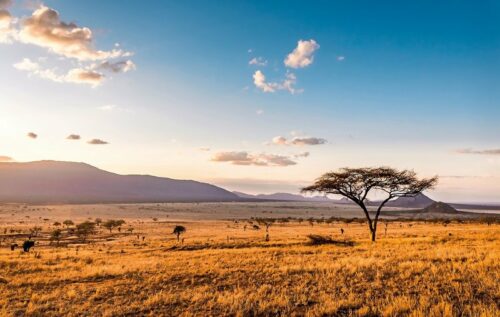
44,28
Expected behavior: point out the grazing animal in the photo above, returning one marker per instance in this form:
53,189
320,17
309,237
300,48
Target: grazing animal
341,231
27,245
13,246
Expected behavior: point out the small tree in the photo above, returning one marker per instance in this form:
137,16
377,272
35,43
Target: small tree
356,183
56,235
109,224
98,221
56,224
85,229
178,230
68,223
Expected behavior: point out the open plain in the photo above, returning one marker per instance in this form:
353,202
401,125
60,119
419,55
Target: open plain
223,265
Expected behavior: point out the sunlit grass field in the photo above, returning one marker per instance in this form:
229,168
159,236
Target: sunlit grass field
227,268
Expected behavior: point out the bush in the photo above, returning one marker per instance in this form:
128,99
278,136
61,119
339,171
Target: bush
316,239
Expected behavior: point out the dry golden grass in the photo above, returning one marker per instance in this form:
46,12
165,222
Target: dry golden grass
222,269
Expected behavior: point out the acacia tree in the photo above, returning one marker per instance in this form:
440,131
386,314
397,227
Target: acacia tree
356,183
178,230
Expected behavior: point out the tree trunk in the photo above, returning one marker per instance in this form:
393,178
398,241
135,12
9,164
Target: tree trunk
178,237
374,233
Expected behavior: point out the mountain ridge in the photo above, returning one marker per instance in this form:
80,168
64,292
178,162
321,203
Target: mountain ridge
78,182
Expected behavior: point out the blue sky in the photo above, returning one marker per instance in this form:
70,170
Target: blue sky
411,85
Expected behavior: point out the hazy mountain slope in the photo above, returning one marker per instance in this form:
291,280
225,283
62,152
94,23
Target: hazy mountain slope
283,196
70,182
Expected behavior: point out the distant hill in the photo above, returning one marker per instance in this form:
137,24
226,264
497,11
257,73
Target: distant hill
440,208
284,197
419,201
71,182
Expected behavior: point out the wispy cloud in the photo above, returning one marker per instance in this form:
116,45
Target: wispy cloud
259,112
303,154
258,61
117,67
75,75
308,141
73,137
302,55
204,149
245,158
340,58
32,135
97,142
481,152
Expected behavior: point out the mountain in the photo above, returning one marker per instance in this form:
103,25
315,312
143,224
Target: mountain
283,197
419,201
440,208
71,182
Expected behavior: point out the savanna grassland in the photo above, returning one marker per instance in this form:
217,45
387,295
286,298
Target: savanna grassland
226,267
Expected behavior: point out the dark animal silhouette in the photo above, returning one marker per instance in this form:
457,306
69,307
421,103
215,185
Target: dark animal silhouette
27,245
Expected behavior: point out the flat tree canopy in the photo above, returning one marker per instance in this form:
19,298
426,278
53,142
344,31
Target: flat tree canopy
356,183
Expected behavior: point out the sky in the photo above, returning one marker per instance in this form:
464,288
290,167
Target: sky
256,96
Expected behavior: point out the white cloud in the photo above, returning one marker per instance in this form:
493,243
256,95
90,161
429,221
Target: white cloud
259,112
204,149
259,79
302,55
340,58
44,28
27,65
258,61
